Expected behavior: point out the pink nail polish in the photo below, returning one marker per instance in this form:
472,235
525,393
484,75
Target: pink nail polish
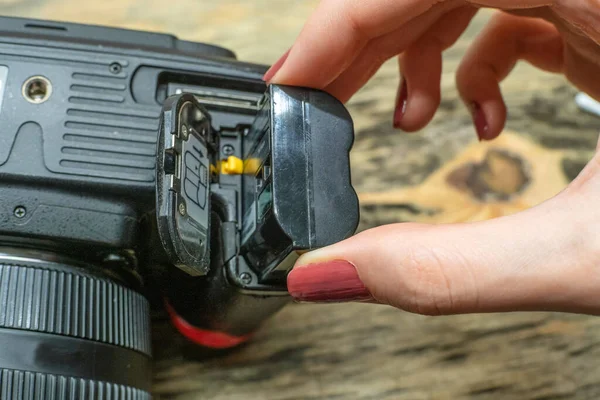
327,282
275,67
480,122
401,102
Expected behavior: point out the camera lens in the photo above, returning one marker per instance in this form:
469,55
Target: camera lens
68,330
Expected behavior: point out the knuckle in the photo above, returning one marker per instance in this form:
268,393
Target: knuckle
428,288
350,13
437,42
464,74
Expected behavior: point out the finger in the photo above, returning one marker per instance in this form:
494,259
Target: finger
582,15
379,50
506,40
582,71
337,32
525,262
421,68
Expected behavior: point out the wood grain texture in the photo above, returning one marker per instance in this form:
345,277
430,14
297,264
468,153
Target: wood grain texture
438,175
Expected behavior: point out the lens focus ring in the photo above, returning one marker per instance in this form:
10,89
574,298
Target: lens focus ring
72,303
40,386
69,330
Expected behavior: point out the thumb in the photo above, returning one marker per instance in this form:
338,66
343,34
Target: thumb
526,262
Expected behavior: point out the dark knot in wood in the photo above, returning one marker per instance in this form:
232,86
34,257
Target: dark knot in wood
500,176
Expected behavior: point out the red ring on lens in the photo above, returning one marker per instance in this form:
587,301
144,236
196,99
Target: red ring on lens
204,337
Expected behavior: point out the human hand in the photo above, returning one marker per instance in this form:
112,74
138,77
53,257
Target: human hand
545,258
345,42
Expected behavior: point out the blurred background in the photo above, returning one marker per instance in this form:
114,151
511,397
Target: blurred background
441,174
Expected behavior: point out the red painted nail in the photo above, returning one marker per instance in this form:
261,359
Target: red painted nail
327,282
481,125
401,102
275,67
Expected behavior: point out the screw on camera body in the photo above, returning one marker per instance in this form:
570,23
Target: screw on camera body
20,212
115,68
228,150
182,209
245,277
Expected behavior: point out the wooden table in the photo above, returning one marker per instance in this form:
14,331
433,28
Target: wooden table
356,351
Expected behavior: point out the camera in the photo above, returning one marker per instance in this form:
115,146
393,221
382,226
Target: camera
135,166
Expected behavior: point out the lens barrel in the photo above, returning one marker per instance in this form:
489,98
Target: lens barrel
70,331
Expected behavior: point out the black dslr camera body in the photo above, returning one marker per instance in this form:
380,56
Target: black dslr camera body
133,166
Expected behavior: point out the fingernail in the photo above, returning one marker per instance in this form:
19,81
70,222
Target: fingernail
401,101
275,67
480,122
327,282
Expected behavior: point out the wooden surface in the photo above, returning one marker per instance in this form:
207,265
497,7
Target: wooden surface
441,174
